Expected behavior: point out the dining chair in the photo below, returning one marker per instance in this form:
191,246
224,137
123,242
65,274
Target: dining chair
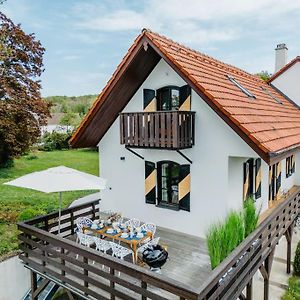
152,242
83,222
84,239
135,223
121,252
102,245
149,227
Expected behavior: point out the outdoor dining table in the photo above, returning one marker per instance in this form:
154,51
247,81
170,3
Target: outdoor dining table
132,242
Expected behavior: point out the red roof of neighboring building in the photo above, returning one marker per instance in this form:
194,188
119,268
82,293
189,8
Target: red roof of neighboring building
269,127
284,68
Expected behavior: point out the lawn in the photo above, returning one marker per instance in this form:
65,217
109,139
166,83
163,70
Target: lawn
18,203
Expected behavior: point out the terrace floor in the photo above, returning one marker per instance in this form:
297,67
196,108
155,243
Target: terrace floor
188,261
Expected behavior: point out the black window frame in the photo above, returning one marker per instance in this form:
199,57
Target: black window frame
169,89
160,202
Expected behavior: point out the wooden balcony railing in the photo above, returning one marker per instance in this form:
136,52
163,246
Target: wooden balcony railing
82,277
160,129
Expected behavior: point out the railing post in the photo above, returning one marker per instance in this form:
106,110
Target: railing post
112,283
86,273
144,286
62,261
94,210
249,290
33,285
72,222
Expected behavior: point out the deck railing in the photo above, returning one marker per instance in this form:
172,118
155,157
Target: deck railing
160,129
81,276
54,257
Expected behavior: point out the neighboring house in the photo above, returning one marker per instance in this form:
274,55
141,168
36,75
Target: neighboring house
287,75
184,138
53,124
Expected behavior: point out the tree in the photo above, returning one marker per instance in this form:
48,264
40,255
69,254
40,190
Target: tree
264,75
70,120
22,110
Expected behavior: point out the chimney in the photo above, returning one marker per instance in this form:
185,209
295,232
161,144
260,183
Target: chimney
280,56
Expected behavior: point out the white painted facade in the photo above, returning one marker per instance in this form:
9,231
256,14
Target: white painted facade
216,172
289,82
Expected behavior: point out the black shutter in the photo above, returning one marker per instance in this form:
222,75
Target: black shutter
185,98
257,178
293,164
184,187
287,167
278,179
149,100
150,182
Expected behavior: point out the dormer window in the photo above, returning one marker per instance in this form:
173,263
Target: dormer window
168,98
271,95
243,89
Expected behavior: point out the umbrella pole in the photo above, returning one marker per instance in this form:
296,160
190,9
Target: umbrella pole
59,213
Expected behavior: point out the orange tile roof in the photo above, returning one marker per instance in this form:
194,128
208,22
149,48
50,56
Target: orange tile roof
271,127
284,68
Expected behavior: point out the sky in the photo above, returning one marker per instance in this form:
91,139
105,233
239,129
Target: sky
85,40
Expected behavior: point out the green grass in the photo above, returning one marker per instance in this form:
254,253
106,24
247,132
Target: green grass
293,291
18,203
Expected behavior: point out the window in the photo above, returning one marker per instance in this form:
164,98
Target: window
252,179
271,95
168,98
290,166
168,180
237,84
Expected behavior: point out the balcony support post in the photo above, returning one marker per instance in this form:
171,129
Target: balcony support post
288,235
33,285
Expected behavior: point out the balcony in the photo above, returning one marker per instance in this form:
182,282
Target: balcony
171,130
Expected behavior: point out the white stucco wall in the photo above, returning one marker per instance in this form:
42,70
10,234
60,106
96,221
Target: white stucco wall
14,279
289,83
216,172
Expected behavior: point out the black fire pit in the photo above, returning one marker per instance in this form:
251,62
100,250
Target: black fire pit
155,257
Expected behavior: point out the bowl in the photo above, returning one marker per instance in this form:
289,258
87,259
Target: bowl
139,235
110,230
124,235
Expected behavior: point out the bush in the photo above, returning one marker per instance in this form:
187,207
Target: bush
293,291
55,141
297,261
223,238
30,213
250,216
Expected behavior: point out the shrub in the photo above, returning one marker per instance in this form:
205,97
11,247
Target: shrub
30,213
293,291
297,261
250,216
55,141
31,157
223,238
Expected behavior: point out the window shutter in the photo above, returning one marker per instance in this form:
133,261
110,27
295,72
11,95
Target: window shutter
287,167
150,182
184,187
270,183
278,179
185,98
149,100
246,181
257,178
293,163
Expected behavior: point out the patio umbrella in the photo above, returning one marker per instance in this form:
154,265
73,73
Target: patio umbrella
59,179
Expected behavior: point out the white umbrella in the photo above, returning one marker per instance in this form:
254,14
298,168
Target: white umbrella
59,179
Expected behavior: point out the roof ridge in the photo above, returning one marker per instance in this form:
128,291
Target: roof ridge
222,64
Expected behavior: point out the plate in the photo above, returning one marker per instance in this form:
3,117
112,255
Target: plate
139,235
124,235
110,231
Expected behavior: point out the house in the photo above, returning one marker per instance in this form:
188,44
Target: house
286,76
53,125
184,138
